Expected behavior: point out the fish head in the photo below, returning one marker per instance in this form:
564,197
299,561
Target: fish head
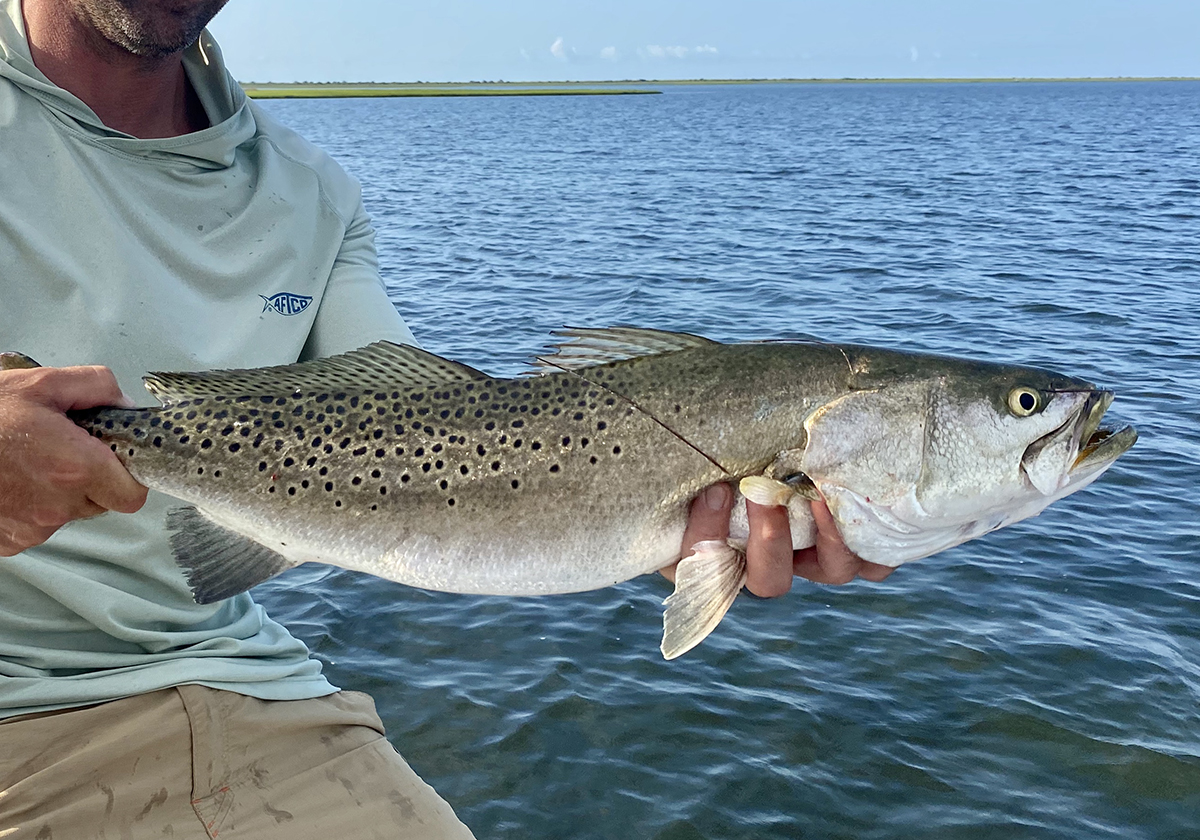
912,463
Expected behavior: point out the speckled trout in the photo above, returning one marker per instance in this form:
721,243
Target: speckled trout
396,462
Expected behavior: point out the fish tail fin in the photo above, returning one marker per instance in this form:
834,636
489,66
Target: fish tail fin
219,563
706,584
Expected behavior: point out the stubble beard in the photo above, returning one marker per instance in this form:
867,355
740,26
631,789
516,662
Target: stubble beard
148,28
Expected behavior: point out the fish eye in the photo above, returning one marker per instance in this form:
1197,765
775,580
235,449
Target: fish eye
1024,401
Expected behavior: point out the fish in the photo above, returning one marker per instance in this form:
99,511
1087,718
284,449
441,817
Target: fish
579,474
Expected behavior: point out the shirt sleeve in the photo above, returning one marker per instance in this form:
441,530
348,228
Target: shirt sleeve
355,309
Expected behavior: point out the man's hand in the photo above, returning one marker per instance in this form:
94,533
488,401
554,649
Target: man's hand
52,471
770,561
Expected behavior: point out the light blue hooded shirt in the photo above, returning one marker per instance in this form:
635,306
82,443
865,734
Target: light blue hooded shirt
240,245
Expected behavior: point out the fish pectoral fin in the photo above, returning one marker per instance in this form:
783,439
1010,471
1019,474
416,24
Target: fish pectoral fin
17,361
219,563
706,584
766,491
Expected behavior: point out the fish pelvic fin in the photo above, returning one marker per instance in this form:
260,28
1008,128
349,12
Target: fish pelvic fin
219,563
17,361
706,584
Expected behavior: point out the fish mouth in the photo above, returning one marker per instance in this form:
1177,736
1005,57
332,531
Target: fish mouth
1077,452
1095,445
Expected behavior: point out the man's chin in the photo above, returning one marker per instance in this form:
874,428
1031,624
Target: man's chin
151,29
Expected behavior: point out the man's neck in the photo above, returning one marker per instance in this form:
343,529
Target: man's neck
144,97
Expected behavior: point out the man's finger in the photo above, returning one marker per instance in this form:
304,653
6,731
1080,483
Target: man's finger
839,564
113,488
708,519
768,551
874,572
81,387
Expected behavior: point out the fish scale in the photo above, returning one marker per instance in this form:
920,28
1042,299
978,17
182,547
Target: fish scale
396,462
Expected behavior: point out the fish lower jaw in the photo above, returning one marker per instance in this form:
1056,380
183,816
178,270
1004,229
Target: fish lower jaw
1103,447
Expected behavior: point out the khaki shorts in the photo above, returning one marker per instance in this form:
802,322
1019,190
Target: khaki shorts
194,762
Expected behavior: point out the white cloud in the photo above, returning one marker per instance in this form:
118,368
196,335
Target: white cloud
558,50
609,53
659,51
912,52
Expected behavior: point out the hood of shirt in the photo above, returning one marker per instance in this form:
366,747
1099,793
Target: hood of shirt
230,114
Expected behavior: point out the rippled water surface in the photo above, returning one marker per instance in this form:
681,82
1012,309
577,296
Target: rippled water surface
1043,681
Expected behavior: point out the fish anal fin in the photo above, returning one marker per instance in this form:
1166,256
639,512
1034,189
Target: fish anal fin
706,584
219,563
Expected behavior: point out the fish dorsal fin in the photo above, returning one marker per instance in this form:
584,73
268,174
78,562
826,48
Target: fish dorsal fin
381,366
589,347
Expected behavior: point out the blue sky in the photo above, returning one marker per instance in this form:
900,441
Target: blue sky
529,40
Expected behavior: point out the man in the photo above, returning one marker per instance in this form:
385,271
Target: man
147,211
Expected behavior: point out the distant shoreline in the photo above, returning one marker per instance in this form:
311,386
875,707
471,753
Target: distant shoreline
321,90
353,91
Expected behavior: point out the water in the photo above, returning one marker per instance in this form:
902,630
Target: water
1043,681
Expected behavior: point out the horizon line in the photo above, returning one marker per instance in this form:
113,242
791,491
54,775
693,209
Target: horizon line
750,80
